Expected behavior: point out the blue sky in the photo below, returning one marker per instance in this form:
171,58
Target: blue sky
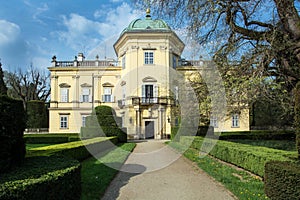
32,31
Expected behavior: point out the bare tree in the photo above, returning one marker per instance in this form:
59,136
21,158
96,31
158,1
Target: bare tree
32,84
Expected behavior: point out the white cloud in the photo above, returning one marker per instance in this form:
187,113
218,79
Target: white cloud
9,33
91,36
80,34
37,11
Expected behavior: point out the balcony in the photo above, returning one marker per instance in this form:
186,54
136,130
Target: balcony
152,100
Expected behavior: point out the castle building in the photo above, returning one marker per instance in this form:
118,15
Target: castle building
139,85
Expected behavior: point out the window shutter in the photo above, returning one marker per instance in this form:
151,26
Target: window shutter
155,93
90,98
143,90
112,98
81,98
176,92
103,98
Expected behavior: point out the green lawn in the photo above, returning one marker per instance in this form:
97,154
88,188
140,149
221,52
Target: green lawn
286,145
32,146
96,176
240,183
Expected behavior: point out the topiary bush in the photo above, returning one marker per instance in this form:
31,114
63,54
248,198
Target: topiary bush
12,126
36,114
106,116
53,177
92,128
282,180
103,122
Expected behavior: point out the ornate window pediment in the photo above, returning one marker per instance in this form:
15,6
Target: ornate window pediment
85,85
64,85
107,84
149,79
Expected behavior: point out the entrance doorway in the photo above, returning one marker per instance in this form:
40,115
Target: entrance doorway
149,129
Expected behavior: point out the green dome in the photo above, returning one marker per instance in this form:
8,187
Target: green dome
147,24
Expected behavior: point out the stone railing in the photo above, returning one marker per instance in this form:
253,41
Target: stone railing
85,63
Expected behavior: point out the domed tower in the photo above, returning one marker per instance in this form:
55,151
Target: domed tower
147,50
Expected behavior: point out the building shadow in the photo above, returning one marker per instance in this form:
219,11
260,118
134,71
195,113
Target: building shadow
122,179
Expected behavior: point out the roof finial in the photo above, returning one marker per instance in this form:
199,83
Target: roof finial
148,16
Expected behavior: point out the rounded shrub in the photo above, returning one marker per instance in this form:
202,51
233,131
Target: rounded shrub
110,123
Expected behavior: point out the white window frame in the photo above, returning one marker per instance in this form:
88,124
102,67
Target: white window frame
124,62
174,62
85,95
107,95
64,95
64,121
235,121
152,98
148,57
176,93
123,95
214,121
83,120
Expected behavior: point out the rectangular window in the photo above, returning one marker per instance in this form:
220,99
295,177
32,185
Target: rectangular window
64,94
214,121
174,62
83,121
149,93
63,122
176,93
123,62
235,120
85,95
123,95
149,57
107,97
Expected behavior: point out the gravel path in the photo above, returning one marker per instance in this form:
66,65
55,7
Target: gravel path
161,173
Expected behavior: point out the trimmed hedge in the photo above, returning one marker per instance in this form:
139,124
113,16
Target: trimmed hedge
50,138
282,180
43,178
79,150
12,126
102,123
259,135
36,114
107,116
297,116
251,158
190,131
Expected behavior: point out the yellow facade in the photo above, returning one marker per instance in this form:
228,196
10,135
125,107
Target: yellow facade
138,85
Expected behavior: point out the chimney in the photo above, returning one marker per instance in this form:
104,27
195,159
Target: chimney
80,57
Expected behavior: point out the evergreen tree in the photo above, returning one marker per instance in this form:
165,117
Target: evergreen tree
3,88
